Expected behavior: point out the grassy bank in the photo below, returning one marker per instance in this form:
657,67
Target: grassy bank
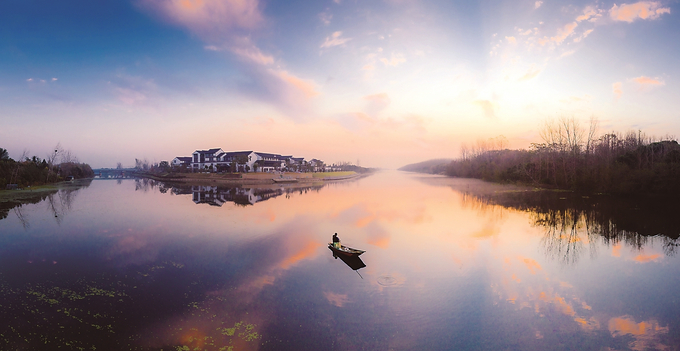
243,178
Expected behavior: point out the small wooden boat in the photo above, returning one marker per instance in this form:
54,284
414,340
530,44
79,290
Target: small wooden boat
344,250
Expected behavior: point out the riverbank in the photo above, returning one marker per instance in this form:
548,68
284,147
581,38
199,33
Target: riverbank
249,178
31,192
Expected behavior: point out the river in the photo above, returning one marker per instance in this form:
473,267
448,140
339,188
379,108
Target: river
449,264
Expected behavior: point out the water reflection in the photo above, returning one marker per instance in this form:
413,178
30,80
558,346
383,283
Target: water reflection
140,266
353,262
575,223
59,201
219,195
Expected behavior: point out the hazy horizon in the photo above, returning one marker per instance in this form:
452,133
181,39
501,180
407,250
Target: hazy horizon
387,83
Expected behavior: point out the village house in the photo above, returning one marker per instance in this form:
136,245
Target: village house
217,160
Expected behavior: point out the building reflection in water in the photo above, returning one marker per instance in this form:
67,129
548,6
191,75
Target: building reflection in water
241,196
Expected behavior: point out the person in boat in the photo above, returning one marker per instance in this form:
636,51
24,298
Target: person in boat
336,241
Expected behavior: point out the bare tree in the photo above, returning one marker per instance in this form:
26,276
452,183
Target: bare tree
51,158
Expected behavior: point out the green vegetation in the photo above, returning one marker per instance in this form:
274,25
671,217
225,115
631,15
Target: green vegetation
572,158
31,171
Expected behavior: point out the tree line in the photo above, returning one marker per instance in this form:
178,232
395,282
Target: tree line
575,157
57,166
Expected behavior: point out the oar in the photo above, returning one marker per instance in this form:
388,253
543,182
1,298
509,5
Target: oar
359,274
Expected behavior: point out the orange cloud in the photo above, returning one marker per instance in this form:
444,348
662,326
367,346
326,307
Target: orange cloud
334,40
646,334
489,231
643,9
336,299
532,73
394,60
588,13
616,89
531,264
305,87
564,32
616,250
646,258
511,40
253,54
583,36
211,19
642,80
308,250
627,325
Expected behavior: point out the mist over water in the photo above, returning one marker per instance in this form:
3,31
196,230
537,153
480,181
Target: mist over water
449,264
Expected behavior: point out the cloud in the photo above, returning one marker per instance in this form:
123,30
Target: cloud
305,87
287,92
129,96
647,258
538,4
588,13
488,107
643,10
531,73
29,79
567,53
336,299
210,19
54,79
253,54
616,89
564,32
229,25
325,18
394,60
334,40
511,40
531,264
646,81
583,36
133,90
376,103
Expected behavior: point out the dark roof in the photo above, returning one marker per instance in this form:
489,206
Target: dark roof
264,154
211,151
238,153
184,159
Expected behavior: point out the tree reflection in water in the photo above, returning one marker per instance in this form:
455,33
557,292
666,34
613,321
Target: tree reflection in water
573,223
59,201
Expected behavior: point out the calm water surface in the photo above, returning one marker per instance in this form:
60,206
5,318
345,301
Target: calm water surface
449,264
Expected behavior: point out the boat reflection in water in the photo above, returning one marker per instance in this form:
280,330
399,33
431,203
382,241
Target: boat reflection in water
352,261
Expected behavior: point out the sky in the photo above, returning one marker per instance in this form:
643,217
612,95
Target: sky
378,83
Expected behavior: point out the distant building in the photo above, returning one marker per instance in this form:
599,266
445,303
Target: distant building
181,161
217,160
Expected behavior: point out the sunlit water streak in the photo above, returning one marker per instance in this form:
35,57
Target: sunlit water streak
450,263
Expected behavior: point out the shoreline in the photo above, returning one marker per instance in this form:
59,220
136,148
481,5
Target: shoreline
251,178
